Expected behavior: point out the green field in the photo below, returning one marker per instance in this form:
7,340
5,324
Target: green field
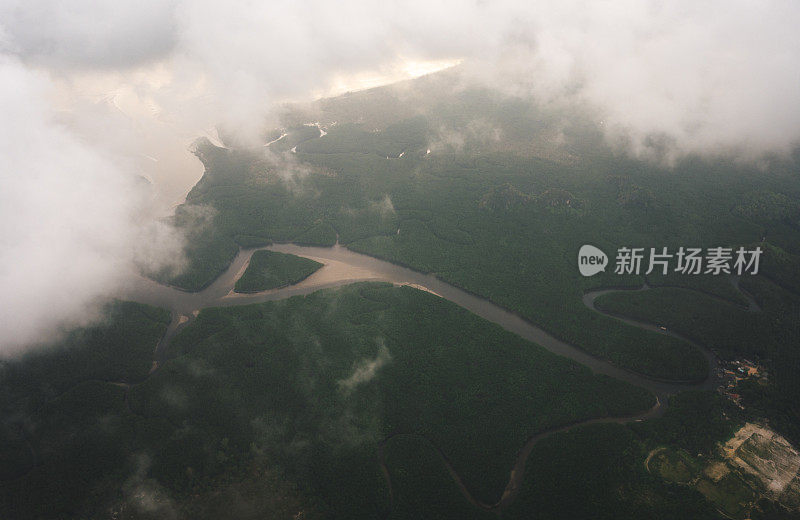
674,466
270,270
728,492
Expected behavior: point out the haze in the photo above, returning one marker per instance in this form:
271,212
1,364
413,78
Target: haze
97,94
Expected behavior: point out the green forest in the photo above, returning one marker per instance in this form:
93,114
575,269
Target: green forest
504,226
271,270
304,390
376,401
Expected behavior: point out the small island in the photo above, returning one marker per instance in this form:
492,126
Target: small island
271,270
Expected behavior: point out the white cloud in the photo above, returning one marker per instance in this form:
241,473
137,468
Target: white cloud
140,79
366,369
706,74
88,33
73,224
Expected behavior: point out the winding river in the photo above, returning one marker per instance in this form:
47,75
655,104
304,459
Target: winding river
342,266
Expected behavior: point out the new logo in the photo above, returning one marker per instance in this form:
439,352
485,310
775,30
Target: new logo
591,260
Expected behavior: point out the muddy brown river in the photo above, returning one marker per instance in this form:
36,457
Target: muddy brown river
342,266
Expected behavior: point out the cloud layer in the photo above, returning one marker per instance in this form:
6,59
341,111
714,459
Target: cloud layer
704,74
94,92
73,223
